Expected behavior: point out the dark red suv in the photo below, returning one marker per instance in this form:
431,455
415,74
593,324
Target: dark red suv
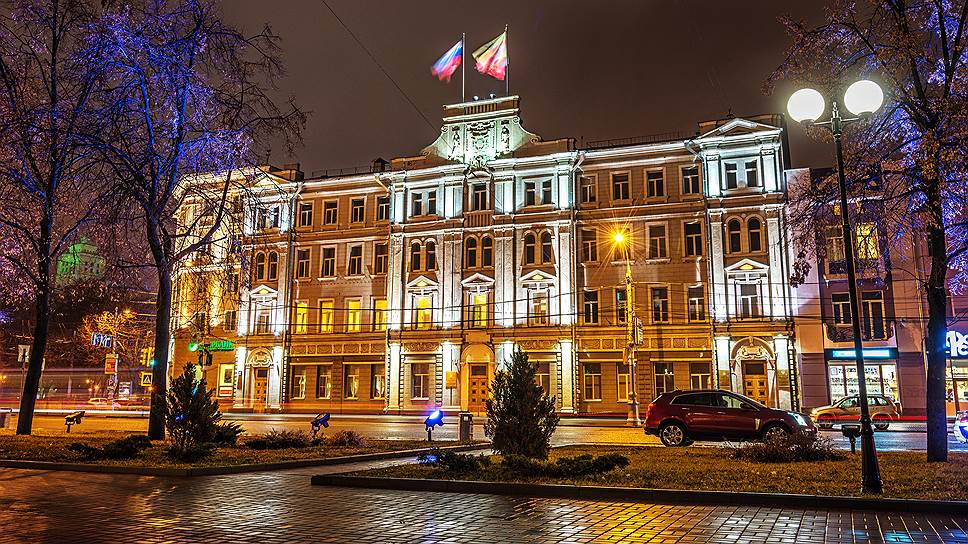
679,417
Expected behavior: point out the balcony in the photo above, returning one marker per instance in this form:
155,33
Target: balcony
483,218
845,333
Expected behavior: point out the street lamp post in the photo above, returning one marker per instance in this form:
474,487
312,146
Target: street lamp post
630,331
805,106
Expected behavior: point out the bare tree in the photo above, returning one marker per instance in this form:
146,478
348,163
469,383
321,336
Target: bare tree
909,159
50,186
189,99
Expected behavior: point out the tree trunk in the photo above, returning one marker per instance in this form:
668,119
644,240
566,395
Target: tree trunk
935,347
38,347
159,372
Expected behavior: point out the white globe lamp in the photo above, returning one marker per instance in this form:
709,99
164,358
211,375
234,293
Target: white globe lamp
864,96
805,105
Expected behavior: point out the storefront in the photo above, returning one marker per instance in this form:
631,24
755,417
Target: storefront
880,368
956,345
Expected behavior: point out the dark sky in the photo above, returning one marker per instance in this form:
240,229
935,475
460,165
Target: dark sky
584,69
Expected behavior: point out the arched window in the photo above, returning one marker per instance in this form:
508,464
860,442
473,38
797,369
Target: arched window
273,266
546,251
529,244
431,255
415,256
260,266
753,230
470,261
733,234
487,251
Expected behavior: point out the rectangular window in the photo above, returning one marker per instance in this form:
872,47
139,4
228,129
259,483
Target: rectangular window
530,193
302,263
690,181
423,309
301,318
420,381
357,210
538,307
479,197
693,239
431,202
866,242
655,184
588,186
589,245
546,192
732,179
382,208
328,262
697,303
416,205
657,242
593,381
351,382
324,381
620,186
379,314
478,309
664,378
230,320
700,376
873,312
622,378
378,382
330,213
305,214
749,301
591,307
543,377
263,318
380,258
327,315
620,306
298,390
355,265
752,176
660,304
841,306
354,315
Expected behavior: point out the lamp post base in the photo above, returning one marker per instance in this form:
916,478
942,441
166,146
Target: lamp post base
633,419
871,473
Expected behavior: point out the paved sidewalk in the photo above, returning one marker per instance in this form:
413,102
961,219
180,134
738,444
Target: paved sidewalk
282,507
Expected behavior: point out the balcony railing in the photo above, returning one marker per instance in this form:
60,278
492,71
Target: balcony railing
845,333
483,218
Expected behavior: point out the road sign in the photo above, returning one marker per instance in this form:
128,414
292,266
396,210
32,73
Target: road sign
23,353
124,390
146,379
110,363
101,340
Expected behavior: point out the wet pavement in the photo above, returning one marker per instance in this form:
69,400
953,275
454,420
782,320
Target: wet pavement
265,508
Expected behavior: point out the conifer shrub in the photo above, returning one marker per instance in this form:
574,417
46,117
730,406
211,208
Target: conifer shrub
521,417
192,416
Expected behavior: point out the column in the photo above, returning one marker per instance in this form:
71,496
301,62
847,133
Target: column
275,385
777,279
452,298
451,359
567,376
566,293
718,288
238,395
722,348
395,292
393,377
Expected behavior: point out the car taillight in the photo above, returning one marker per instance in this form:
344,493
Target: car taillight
648,409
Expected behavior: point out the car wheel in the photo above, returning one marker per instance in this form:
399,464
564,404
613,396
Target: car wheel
881,423
673,435
774,431
825,422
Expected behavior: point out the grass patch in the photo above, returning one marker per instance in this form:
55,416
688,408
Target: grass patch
55,448
905,474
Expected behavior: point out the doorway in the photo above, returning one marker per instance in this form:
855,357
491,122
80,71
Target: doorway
754,381
260,387
477,391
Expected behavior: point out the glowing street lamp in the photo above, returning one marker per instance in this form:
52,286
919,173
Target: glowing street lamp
806,106
622,241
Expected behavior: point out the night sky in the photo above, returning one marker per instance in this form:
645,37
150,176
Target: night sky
588,70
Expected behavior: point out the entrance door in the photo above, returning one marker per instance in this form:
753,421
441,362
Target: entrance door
261,386
754,381
477,389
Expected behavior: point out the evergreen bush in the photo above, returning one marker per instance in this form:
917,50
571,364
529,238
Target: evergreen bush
278,440
520,416
191,416
128,447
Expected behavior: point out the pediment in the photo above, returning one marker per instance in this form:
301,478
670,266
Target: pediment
421,282
747,265
263,291
738,127
536,276
477,279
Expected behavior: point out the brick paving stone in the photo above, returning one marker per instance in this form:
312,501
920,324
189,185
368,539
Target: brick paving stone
282,507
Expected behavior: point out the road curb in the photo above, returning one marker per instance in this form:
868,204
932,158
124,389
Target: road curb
629,494
234,469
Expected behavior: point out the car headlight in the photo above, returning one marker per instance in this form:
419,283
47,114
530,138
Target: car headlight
798,418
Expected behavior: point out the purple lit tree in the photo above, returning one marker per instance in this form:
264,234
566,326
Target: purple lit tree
910,157
51,186
189,101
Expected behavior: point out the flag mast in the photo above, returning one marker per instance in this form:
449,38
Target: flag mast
507,69
463,64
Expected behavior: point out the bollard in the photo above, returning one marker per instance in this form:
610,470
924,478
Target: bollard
466,429
852,432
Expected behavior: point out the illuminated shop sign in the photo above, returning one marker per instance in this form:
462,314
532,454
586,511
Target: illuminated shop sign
869,353
956,345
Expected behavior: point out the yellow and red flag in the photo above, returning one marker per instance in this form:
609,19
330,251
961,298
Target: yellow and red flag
492,57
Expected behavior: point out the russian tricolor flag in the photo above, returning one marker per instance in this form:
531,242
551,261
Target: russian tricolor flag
449,63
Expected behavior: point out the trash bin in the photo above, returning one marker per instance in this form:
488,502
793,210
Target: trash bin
466,428
5,417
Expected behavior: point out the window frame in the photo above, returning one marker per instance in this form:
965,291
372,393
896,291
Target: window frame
627,184
306,209
324,261
693,243
354,263
663,250
358,211
591,388
330,213
655,185
588,187
687,190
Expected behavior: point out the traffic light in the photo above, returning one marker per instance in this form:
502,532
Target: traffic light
147,356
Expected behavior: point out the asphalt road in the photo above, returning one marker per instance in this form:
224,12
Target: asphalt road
571,430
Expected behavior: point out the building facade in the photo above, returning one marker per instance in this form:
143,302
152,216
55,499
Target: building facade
408,286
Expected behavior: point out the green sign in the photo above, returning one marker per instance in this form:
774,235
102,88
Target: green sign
221,345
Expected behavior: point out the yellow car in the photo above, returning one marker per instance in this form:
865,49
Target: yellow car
883,411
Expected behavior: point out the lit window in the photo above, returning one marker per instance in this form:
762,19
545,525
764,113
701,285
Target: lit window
354,315
351,387
298,390
622,375
379,314
327,315
424,312
478,309
378,382
867,246
420,381
324,381
301,319
538,307
664,378
700,376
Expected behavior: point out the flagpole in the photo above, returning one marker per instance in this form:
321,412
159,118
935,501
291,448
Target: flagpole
463,64
507,69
